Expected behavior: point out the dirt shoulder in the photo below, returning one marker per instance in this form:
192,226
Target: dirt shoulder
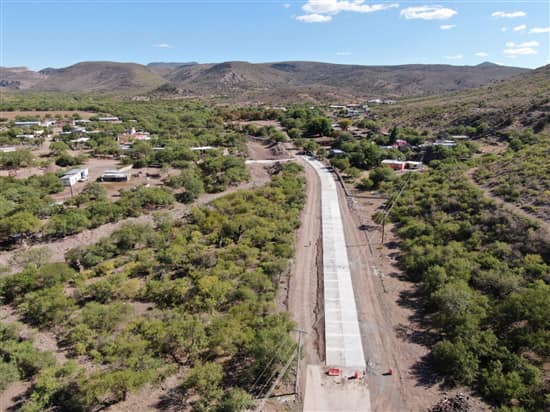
389,316
305,292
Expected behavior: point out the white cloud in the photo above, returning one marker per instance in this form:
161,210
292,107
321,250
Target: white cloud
509,15
336,6
520,51
482,54
520,27
162,46
321,11
537,30
286,5
447,26
343,53
455,57
524,44
428,13
314,18
504,28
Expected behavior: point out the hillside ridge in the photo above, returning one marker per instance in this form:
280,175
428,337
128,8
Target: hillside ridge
258,82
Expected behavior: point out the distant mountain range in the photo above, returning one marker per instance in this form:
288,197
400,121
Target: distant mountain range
257,83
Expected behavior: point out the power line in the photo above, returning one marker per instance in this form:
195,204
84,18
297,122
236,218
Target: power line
267,366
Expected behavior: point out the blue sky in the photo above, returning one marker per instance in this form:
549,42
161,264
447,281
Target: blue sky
40,34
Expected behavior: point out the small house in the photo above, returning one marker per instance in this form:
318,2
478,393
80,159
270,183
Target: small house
131,135
69,180
27,124
336,152
445,143
115,176
394,164
81,121
80,140
202,148
110,119
73,176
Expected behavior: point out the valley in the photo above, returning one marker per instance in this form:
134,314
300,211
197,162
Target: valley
343,255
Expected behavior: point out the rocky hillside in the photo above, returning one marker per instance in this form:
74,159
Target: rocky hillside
517,103
279,82
16,78
261,83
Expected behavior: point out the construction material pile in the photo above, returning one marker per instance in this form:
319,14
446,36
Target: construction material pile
457,403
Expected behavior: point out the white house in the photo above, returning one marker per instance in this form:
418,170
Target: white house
73,176
27,124
109,119
80,140
445,143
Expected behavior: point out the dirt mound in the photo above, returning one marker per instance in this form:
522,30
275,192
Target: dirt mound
458,403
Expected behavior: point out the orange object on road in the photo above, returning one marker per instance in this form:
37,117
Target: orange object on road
390,371
334,372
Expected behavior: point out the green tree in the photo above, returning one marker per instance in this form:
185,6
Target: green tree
205,380
344,123
68,222
319,126
57,148
236,400
20,223
456,361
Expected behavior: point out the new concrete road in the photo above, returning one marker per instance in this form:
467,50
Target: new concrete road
343,345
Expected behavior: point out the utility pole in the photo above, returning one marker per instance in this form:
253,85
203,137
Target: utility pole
275,382
300,332
383,226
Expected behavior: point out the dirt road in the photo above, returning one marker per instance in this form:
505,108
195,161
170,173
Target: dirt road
56,249
305,288
383,314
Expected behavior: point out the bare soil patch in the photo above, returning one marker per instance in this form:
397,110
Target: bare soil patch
43,340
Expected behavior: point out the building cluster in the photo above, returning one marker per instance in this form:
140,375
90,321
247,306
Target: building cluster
130,136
